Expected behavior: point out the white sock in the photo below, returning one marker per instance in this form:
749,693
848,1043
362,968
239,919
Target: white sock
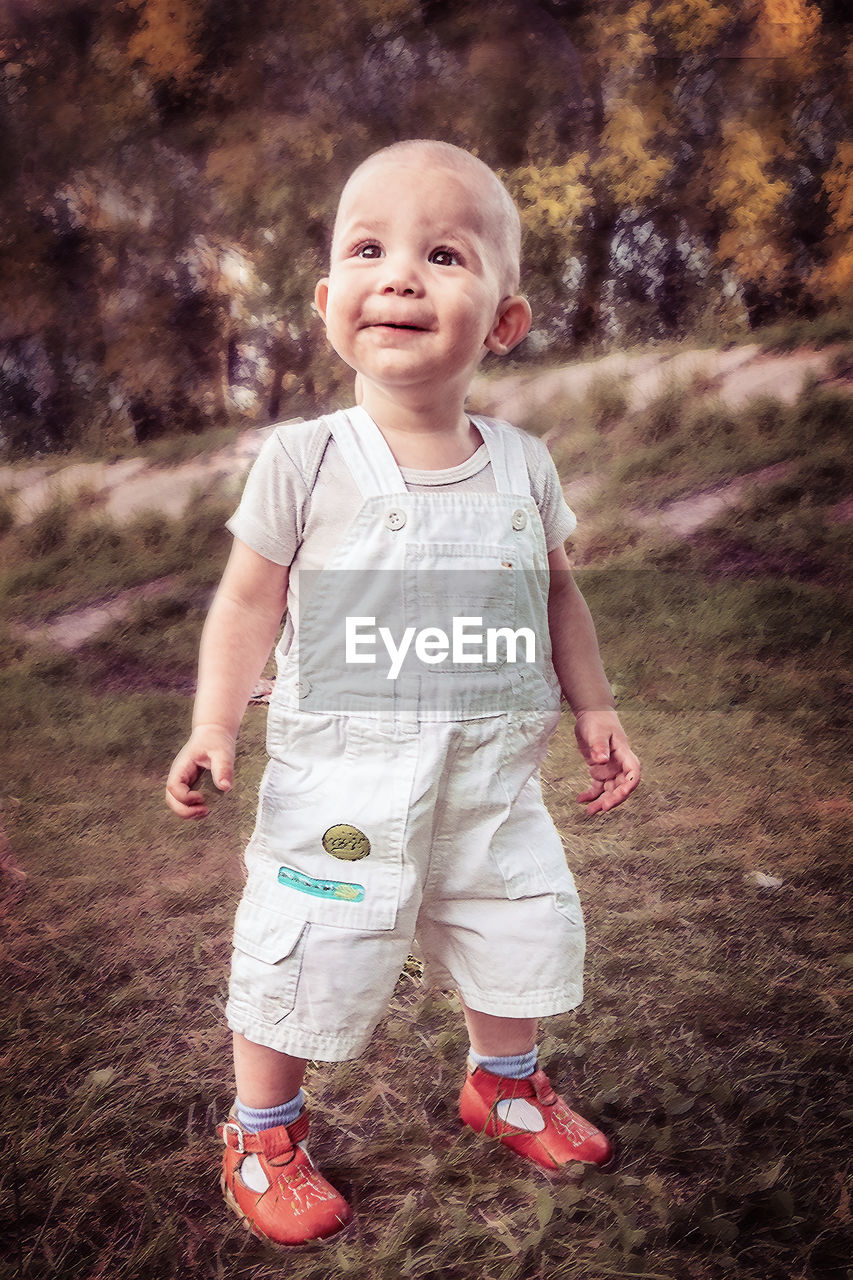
515,1066
253,1120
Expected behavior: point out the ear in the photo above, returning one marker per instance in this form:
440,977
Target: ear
321,297
512,324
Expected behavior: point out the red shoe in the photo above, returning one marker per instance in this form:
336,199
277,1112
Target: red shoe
298,1205
547,1131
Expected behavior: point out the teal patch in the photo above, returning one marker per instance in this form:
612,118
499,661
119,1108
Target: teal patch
338,890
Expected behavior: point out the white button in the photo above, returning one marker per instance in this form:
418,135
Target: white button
303,688
519,519
395,519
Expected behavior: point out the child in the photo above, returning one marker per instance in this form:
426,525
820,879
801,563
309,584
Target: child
402,800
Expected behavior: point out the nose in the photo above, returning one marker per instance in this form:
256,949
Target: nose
400,277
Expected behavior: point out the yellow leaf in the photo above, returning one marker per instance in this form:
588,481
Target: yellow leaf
751,198
165,38
833,281
786,29
553,197
691,25
630,166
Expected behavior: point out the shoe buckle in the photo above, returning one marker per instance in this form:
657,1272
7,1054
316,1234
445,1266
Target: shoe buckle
231,1127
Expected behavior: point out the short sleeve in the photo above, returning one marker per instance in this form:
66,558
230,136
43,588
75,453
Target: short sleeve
558,519
271,513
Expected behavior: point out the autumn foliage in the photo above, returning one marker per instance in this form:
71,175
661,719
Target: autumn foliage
169,168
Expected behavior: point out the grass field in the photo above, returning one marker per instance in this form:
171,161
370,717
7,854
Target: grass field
714,1040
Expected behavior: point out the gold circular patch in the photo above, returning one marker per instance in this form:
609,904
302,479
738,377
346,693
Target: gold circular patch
346,842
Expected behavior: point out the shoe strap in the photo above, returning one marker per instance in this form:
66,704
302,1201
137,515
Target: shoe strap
542,1088
269,1143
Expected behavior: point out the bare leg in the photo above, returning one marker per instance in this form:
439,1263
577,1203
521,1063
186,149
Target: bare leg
496,1037
284,1200
265,1077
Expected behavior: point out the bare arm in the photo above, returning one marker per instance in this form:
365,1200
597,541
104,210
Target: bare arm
614,769
239,633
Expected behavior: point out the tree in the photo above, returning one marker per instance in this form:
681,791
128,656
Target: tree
833,279
169,171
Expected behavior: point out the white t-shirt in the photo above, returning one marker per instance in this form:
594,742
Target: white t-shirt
300,498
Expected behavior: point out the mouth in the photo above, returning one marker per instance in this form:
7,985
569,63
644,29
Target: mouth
396,326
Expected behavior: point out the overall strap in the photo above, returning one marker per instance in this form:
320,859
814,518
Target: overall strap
366,453
506,453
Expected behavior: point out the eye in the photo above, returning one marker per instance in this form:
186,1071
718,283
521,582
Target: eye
444,257
369,250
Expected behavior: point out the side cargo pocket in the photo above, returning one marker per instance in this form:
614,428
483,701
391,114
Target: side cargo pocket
266,962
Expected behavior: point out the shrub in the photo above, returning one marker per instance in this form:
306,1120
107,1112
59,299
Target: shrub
773,617
608,541
95,537
822,414
607,400
150,530
7,514
710,421
201,532
765,417
50,527
664,415
824,331
841,364
177,447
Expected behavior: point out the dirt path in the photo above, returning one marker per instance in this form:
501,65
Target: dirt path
127,487
70,630
735,377
686,516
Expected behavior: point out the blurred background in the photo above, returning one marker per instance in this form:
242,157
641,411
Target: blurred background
169,171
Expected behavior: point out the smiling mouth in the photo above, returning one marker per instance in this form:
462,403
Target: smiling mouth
391,324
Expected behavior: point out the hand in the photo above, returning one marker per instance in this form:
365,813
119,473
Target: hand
613,767
209,747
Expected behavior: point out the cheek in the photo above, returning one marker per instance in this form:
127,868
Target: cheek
476,311
338,318
474,325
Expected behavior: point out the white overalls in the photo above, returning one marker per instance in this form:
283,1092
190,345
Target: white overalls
411,806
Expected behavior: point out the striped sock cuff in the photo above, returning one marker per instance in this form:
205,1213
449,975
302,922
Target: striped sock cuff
254,1120
514,1067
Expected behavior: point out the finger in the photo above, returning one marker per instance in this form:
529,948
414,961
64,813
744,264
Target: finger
592,792
181,796
611,796
626,760
183,786
222,771
632,779
191,806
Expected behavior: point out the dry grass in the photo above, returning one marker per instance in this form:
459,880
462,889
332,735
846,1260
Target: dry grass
713,1043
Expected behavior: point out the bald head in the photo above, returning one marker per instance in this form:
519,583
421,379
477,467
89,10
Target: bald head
496,204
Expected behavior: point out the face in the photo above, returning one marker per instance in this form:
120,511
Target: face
415,292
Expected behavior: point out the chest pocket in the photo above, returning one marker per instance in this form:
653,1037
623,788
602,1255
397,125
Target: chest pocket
467,593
